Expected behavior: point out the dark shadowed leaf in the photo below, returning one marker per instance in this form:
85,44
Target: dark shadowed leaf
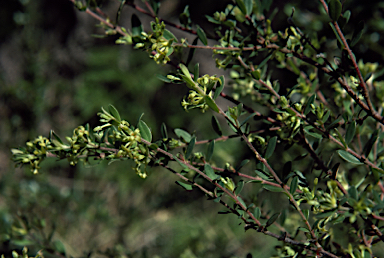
220,88
239,187
211,147
351,129
164,132
368,146
137,28
308,104
192,51
190,147
272,219
357,33
216,126
294,183
271,147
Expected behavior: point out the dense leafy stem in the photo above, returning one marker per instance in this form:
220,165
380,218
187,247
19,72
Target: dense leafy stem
331,109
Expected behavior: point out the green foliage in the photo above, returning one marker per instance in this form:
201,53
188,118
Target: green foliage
313,172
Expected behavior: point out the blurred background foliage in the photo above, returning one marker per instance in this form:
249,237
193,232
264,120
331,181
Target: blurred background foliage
55,74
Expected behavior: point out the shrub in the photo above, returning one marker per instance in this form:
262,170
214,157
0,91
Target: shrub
310,124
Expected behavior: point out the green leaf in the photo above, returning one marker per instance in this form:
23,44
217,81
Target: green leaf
257,213
239,187
334,124
209,172
308,107
145,132
337,36
341,138
272,219
357,33
272,188
113,111
137,28
196,72
169,35
348,157
352,191
294,183
248,6
242,202
185,167
183,134
185,71
220,88
211,147
163,78
334,9
211,103
264,61
53,134
190,147
242,164
351,129
186,186
164,132
201,35
122,3
241,5
271,147
256,74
